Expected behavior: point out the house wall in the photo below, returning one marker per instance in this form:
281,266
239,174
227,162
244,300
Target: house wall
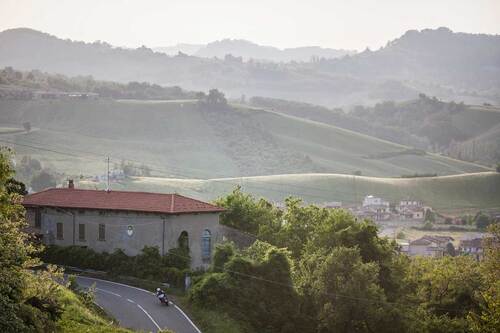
158,230
424,250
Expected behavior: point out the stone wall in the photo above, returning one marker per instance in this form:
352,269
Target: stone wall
128,231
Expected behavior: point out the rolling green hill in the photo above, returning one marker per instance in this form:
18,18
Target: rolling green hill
183,139
446,194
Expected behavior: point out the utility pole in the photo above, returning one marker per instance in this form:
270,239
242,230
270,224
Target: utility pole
107,186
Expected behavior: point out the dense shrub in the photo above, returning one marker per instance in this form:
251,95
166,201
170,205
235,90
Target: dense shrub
253,286
148,264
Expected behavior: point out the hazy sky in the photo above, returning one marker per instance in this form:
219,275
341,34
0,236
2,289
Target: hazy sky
350,24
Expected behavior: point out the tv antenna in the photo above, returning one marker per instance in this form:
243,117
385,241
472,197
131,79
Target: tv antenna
107,178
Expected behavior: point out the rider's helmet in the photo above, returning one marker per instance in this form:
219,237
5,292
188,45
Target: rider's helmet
158,289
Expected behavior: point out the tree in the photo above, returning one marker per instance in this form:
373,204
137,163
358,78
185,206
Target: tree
498,167
17,313
450,250
15,186
215,98
254,287
245,213
429,216
487,319
42,181
482,221
345,292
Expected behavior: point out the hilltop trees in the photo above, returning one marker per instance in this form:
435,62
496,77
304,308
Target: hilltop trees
214,99
43,180
36,80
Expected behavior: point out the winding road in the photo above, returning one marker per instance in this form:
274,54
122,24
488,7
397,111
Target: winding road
137,308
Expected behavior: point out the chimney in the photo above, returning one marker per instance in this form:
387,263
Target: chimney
71,184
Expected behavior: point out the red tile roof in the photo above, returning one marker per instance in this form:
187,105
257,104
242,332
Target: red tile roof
118,200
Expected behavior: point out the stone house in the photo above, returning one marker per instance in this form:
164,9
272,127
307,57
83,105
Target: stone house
432,246
109,220
473,247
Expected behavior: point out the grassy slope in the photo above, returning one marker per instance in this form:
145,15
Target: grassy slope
446,194
77,318
185,141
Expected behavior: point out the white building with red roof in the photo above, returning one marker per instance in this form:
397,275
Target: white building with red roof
109,220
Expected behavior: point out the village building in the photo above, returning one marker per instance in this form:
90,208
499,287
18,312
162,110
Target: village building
473,247
431,246
374,208
109,220
332,204
411,210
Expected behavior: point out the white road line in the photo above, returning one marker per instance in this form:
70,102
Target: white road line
117,283
108,292
147,314
131,301
143,290
187,318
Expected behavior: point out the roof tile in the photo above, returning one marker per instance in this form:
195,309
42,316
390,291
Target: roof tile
118,200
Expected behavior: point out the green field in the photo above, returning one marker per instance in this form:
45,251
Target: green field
178,139
446,194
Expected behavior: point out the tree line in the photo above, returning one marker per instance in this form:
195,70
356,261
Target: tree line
322,270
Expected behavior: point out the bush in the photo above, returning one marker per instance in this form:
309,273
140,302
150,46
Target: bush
223,252
428,225
149,264
482,221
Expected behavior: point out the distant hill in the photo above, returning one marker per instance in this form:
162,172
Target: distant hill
463,131
189,49
436,62
440,56
186,139
248,50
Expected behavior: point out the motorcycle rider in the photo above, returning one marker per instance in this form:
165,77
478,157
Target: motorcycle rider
162,296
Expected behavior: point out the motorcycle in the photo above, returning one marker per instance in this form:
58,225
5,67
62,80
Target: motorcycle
163,299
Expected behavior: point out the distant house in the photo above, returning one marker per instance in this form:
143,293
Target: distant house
410,204
375,208
332,204
404,246
431,246
371,201
109,220
411,210
473,247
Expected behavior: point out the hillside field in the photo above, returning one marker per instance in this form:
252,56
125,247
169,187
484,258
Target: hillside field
446,194
182,140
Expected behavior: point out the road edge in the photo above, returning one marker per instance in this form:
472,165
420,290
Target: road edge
148,292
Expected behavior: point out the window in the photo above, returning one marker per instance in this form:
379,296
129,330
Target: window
81,232
102,232
59,231
38,218
206,244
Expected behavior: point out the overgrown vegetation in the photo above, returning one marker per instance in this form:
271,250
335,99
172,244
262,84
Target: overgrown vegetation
321,270
149,264
34,299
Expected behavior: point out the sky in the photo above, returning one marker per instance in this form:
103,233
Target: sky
347,24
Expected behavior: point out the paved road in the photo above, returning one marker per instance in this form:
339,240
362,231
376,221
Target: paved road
137,308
